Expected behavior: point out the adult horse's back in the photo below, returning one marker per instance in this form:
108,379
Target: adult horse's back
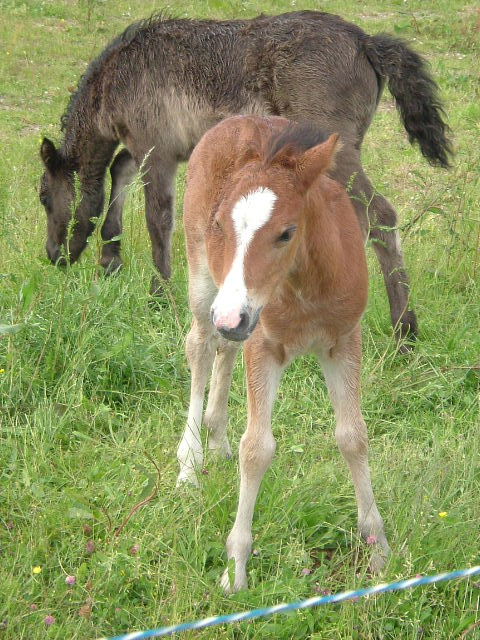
160,85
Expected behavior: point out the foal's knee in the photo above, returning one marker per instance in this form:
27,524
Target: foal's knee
200,344
352,439
256,452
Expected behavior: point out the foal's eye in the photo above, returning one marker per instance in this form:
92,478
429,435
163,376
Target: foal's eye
287,235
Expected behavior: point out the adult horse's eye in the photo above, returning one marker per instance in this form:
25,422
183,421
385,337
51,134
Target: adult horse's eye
287,235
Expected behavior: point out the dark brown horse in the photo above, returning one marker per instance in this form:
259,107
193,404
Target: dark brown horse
160,85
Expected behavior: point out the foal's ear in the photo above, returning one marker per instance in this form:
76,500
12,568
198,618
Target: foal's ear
317,160
50,156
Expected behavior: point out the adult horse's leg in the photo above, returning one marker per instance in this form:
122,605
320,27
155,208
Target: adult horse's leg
387,245
386,241
92,177
379,221
122,171
158,174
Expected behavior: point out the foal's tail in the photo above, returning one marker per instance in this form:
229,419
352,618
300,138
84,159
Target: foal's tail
415,93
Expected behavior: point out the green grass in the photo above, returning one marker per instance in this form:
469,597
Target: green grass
95,386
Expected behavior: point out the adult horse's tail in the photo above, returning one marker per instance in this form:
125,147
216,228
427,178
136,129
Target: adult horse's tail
415,93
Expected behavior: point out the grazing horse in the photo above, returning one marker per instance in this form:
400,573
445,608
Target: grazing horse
160,85
276,258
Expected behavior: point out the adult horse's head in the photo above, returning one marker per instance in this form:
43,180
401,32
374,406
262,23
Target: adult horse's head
258,228
57,192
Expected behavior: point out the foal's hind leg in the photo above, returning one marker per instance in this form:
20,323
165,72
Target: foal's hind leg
122,170
341,367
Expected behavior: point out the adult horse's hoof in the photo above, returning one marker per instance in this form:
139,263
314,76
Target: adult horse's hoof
407,332
157,287
112,265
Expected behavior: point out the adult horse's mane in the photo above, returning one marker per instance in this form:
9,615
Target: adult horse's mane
135,31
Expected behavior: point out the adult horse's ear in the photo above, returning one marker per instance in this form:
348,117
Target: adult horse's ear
50,156
318,160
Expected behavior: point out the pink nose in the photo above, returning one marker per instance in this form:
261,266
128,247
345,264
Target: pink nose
227,320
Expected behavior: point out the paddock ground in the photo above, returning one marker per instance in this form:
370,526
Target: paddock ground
94,385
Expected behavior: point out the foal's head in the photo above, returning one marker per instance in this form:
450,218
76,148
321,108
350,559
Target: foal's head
57,193
258,227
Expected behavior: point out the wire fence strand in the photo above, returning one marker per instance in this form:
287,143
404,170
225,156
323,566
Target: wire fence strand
294,606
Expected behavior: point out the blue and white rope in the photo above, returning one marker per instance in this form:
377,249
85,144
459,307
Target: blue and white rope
293,606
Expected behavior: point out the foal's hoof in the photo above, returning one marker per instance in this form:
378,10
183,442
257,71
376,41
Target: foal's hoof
380,554
239,582
377,562
158,298
187,478
220,448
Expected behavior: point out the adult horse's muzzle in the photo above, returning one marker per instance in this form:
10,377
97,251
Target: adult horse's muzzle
55,255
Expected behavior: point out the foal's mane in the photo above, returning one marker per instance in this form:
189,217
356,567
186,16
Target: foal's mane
297,136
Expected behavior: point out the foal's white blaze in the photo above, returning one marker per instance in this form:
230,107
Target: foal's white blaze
249,215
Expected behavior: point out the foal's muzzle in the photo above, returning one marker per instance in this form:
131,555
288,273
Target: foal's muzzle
247,323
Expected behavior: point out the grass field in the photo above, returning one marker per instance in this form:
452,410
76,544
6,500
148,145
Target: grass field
94,384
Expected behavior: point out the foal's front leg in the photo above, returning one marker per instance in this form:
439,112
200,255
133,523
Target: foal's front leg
257,448
342,374
200,347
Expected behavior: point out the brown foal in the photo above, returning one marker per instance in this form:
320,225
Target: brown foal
276,258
